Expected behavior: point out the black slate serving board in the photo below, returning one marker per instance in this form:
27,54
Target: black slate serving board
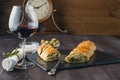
99,58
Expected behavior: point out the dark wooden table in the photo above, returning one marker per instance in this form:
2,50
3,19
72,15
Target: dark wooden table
108,44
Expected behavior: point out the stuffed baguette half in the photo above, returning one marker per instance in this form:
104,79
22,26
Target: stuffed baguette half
48,53
82,53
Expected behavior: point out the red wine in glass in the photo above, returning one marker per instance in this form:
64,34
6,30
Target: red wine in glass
23,23
24,31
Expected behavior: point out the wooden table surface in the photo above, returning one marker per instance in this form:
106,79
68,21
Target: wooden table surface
108,44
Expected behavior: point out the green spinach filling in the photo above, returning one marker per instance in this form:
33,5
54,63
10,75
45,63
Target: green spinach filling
78,58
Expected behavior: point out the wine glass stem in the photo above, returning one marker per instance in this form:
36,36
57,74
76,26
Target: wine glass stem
24,53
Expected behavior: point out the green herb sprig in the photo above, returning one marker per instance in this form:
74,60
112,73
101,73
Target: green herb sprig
12,53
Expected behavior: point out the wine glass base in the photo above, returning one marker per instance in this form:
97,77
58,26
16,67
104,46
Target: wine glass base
25,65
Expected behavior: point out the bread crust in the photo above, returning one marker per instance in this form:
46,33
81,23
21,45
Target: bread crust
85,49
48,53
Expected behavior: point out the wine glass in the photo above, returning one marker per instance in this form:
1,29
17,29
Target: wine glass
23,23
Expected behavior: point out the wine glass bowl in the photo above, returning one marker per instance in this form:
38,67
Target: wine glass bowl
23,23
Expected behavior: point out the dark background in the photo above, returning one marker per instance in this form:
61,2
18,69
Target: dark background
86,17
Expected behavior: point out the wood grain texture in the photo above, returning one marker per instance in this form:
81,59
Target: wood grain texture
112,71
86,17
108,44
